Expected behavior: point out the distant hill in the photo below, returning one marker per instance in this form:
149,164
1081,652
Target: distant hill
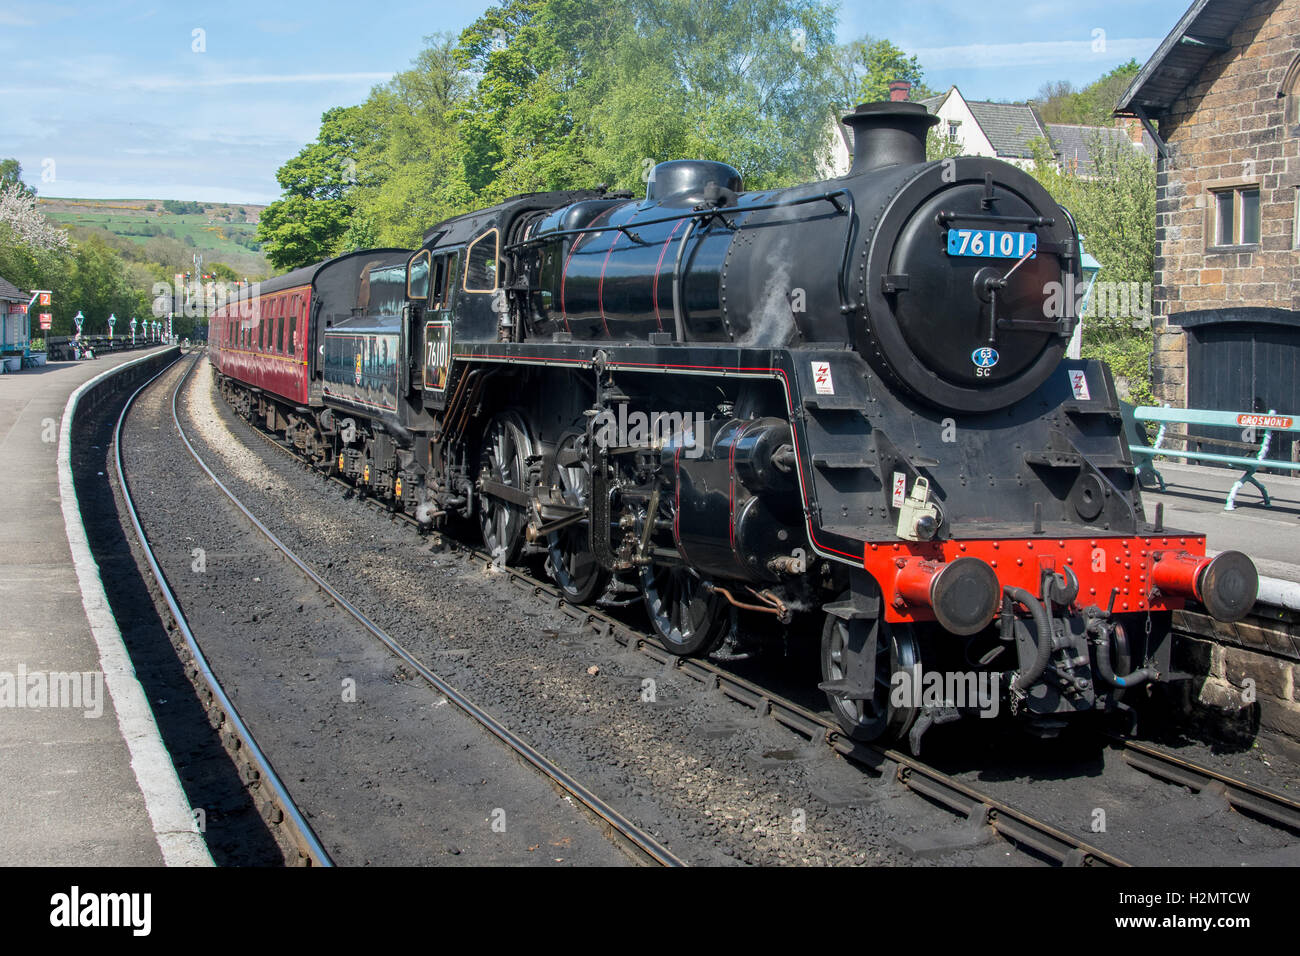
226,231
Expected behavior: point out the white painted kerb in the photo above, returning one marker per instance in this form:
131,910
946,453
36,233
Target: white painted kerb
173,820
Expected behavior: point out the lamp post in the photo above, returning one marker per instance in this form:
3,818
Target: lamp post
1090,268
133,331
112,321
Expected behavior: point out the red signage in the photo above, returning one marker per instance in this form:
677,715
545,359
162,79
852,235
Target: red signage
1264,421
46,319
45,298
17,308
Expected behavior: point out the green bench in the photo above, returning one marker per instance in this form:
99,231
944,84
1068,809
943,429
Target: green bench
1266,423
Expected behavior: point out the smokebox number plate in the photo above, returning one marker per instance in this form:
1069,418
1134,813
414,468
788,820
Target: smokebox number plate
992,243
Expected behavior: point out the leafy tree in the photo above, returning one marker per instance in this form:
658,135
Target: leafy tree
11,175
940,147
1061,102
1115,209
864,68
308,224
411,173
742,81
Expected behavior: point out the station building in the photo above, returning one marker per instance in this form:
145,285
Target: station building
14,329
1221,94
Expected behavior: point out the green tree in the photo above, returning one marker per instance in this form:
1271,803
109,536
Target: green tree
1061,102
864,68
309,223
747,82
411,172
1115,210
11,174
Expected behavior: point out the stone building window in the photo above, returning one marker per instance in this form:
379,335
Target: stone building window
1295,226
1235,215
1290,91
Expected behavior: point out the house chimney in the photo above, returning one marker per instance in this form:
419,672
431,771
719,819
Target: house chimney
887,134
1133,127
899,91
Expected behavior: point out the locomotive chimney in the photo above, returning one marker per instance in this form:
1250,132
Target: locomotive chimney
888,134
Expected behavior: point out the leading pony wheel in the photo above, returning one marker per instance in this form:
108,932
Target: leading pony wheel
897,652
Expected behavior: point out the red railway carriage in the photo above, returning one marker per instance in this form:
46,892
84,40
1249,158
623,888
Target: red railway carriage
269,336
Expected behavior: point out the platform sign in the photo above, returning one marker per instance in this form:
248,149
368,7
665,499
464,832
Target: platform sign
45,298
46,320
1264,421
17,308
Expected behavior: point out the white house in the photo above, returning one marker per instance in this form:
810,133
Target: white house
1006,131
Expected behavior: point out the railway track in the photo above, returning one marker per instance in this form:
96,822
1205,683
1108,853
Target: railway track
291,820
642,843
975,808
1276,809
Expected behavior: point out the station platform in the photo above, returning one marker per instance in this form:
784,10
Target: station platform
1194,496
86,778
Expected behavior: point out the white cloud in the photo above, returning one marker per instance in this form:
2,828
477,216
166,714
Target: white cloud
170,83
1033,53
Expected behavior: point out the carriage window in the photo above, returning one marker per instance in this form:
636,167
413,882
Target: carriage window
291,326
417,276
481,263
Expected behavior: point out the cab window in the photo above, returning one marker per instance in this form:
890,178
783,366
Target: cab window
417,276
481,263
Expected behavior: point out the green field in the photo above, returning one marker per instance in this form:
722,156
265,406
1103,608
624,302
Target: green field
223,232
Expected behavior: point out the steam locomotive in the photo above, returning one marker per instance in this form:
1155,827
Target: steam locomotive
844,402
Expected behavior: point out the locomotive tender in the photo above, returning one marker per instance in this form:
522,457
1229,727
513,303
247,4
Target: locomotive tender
844,402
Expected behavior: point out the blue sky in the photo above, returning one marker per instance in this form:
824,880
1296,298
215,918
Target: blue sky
111,99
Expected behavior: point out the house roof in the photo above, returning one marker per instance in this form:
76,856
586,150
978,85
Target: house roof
1076,146
10,291
1010,127
1197,38
933,103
